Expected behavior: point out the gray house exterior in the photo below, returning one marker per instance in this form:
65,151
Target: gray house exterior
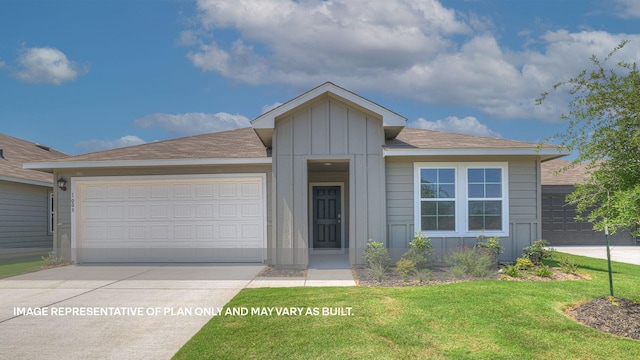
26,197
322,173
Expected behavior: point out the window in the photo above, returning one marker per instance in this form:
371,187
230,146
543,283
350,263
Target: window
438,199
484,198
461,199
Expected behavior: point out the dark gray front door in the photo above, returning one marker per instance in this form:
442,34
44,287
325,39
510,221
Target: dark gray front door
327,221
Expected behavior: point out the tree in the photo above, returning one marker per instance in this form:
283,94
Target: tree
604,129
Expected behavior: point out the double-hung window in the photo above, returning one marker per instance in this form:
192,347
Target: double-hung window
461,199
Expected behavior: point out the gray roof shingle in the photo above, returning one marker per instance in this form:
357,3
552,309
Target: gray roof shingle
411,138
16,151
239,143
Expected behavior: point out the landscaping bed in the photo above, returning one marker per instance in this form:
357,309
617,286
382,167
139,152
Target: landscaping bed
612,315
438,275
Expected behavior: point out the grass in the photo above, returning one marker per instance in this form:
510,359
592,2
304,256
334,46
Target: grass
12,266
469,320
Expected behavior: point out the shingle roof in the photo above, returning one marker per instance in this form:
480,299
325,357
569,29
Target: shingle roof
239,143
411,138
16,151
571,176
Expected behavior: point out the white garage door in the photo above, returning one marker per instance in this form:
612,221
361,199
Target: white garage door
177,219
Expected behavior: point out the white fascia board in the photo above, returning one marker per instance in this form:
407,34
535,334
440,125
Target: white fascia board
267,120
468,152
146,163
26,181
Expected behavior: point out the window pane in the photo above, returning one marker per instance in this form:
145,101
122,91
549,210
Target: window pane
429,208
485,215
428,191
476,190
475,175
493,175
447,176
447,191
447,223
446,208
429,176
493,207
476,207
493,222
429,223
493,190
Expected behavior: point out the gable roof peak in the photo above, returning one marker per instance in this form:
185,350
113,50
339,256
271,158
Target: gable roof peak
264,124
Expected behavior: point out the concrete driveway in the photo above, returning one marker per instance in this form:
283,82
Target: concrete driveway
113,312
624,254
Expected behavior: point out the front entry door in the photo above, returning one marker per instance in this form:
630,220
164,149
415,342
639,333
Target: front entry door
327,219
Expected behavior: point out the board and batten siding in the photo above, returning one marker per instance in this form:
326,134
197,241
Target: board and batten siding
62,234
524,204
329,130
24,216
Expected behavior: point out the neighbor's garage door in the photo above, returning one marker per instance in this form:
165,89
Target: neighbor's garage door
559,226
156,219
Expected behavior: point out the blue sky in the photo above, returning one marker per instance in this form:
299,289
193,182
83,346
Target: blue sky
84,76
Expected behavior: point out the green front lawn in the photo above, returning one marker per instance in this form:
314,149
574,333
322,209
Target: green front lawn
12,266
469,320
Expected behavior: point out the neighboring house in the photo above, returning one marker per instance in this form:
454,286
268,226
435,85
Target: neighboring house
26,197
324,172
559,226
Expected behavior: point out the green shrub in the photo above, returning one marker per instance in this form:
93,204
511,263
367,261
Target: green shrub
537,251
467,261
524,264
513,271
543,271
377,254
423,275
405,268
567,265
377,272
378,260
420,251
51,260
492,246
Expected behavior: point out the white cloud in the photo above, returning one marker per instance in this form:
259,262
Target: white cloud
2,64
192,123
411,48
99,145
46,65
467,125
267,108
628,9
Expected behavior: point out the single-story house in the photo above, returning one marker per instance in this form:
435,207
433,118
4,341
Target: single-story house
324,172
559,226
26,197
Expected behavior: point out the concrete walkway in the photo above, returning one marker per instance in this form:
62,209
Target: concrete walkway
624,254
323,270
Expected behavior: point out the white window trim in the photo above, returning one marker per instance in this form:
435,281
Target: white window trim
462,198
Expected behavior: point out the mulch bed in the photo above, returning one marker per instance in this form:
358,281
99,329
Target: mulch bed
441,275
272,272
603,314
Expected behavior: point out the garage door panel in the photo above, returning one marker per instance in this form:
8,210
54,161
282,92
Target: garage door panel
157,220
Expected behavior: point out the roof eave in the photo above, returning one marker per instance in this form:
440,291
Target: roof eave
50,166
26,181
545,153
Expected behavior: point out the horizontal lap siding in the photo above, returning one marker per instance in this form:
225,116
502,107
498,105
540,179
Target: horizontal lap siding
523,203
24,216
